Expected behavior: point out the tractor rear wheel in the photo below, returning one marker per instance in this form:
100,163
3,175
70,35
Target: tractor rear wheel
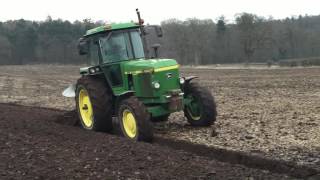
135,120
200,108
94,104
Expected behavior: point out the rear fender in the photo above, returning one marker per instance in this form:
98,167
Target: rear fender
189,78
127,93
70,91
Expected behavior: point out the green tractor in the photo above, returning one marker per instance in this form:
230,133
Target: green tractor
123,84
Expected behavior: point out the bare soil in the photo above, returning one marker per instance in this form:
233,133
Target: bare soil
273,113
34,146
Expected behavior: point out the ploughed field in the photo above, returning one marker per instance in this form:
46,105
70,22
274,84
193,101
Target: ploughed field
34,146
266,113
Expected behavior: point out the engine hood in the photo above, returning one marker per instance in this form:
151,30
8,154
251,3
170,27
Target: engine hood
149,65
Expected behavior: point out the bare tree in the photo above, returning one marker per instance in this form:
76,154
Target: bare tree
254,33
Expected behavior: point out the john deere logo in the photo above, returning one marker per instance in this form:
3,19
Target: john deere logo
169,75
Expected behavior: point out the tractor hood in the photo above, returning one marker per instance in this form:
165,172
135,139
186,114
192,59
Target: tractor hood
149,65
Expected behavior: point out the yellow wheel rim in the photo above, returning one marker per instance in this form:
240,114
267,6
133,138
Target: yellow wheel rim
85,108
129,123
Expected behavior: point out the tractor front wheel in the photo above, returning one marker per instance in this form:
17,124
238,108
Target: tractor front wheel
200,109
135,120
94,104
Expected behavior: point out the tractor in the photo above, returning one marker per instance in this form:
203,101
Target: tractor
123,83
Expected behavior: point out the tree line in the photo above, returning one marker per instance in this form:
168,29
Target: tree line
50,41
249,38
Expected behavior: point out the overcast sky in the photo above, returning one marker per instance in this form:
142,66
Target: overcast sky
152,11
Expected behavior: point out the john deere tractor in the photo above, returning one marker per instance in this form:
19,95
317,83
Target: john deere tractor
123,82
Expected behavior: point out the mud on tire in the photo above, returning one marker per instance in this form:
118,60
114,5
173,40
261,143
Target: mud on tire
206,103
101,100
142,117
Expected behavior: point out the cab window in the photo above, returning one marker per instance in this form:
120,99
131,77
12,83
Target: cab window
117,46
93,55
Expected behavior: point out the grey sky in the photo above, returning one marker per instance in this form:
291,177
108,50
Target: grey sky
152,11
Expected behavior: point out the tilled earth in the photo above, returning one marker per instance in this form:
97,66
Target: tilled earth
271,113
34,146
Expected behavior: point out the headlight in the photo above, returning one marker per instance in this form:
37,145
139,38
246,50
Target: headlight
156,85
92,70
181,80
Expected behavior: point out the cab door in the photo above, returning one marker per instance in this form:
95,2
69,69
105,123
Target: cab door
114,50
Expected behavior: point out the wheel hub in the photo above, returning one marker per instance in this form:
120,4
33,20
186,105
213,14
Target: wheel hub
129,123
85,108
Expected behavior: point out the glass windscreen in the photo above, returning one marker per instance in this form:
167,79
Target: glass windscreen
137,44
119,46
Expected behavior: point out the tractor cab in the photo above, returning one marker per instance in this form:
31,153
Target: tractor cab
110,46
119,51
112,43
117,42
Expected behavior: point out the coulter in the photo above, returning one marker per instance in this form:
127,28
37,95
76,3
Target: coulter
123,83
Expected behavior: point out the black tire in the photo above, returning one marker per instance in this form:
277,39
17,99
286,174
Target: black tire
144,126
160,118
205,100
101,100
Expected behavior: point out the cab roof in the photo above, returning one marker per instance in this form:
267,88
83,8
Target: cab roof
111,27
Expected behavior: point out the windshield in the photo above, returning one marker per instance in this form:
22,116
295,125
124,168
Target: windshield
123,45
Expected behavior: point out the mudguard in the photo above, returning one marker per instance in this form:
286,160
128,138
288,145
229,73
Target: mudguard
126,93
189,78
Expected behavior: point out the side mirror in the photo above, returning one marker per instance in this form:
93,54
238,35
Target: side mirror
159,31
83,46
